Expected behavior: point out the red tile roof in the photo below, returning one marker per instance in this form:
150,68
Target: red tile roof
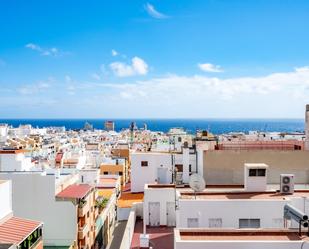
76,191
15,230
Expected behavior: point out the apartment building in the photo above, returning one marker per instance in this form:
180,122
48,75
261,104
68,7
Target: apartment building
16,232
118,167
162,168
84,197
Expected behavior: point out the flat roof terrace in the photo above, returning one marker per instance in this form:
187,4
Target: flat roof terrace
239,235
243,195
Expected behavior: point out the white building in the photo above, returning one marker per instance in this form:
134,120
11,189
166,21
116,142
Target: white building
15,160
162,168
34,198
16,232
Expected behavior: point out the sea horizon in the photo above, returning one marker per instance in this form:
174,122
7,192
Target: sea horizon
214,125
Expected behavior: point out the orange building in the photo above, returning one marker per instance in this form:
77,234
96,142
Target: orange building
84,197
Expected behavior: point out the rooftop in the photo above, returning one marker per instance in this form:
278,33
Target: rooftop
75,191
243,195
15,230
126,200
239,234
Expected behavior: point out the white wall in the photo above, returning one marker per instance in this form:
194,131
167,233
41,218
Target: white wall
129,231
34,198
89,176
197,244
6,199
15,162
142,175
162,195
270,212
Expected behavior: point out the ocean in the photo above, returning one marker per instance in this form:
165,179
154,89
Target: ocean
216,126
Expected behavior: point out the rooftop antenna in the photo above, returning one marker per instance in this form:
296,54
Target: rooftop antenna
197,183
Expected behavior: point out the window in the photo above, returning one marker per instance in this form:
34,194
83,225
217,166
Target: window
192,222
215,222
120,173
144,163
249,223
179,167
257,172
190,168
105,173
179,139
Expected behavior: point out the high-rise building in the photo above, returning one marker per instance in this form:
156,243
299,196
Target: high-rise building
109,125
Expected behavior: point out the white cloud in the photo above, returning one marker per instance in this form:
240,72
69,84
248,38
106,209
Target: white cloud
208,67
153,12
138,67
114,52
302,69
68,79
39,87
53,52
203,96
95,76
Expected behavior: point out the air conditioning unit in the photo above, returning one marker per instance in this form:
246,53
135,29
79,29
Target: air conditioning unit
286,184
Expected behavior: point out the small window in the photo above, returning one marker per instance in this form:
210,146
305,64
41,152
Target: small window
179,139
249,223
261,172
192,222
257,172
105,173
215,222
252,172
190,168
120,173
144,163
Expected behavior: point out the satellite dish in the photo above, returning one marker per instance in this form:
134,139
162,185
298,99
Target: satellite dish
197,183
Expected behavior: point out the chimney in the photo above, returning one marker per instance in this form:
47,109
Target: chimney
307,128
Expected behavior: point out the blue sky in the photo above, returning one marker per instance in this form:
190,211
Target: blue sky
154,59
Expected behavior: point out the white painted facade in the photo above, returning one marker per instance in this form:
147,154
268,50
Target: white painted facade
256,182
197,243
15,162
6,198
3,133
34,198
160,168
164,200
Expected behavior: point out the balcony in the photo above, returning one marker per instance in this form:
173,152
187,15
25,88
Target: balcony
82,231
83,209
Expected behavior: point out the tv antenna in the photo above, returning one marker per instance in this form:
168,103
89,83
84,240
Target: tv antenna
197,183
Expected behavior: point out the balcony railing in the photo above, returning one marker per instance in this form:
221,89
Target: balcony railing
82,231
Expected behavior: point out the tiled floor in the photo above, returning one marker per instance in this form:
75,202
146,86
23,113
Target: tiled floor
160,237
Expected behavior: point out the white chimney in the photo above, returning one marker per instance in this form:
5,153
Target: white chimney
307,128
255,177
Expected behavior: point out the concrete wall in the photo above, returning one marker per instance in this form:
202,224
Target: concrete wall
270,212
34,198
162,195
123,213
144,175
236,244
15,162
129,231
227,167
6,198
